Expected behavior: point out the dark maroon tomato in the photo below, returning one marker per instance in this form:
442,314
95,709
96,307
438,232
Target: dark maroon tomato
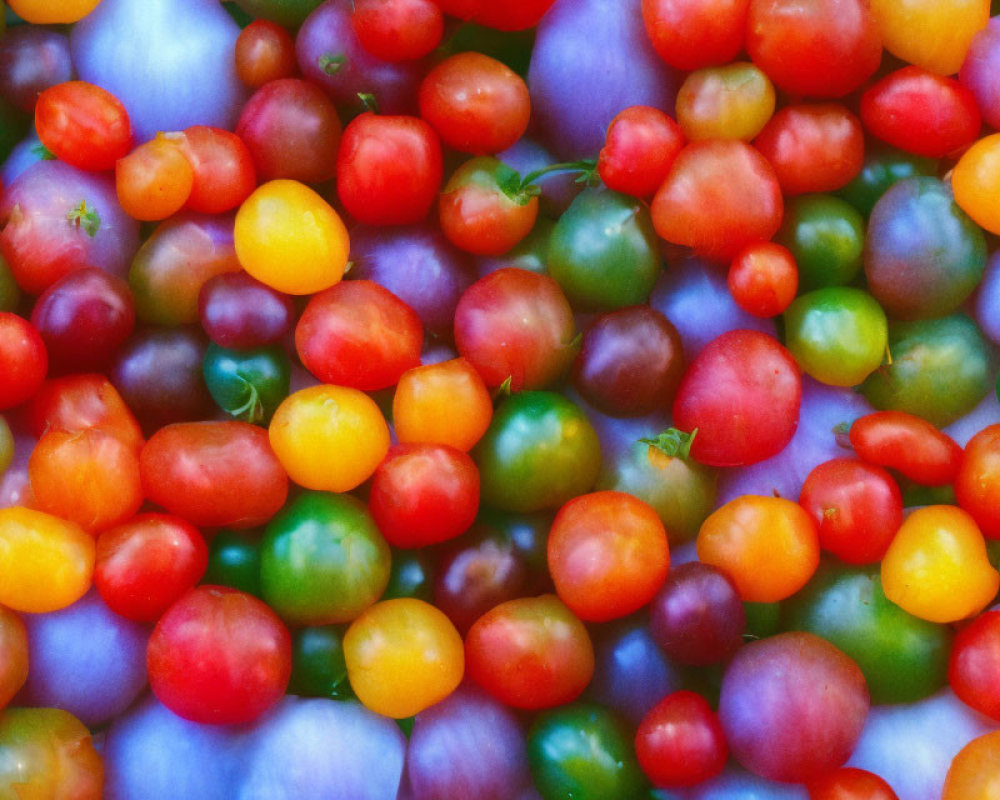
423,494
360,335
743,394
640,147
479,572
517,325
292,131
264,52
31,60
241,313
159,375
84,318
698,617
680,742
219,656
631,362
824,48
921,113
389,169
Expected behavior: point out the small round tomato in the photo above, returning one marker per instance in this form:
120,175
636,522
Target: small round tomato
360,335
730,102
222,166
247,384
850,783
145,565
446,403
857,508
219,656
977,484
639,149
975,664
976,180
608,555
480,214
49,752
264,52
814,148
83,125
763,279
276,249
933,34
680,741
769,546
238,311
13,655
973,772
691,34
398,30
154,181
402,656
389,169
23,360
908,444
826,236
329,438
530,653
512,15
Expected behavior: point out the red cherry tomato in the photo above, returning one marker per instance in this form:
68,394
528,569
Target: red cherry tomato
763,279
850,783
817,148
83,125
857,508
908,444
23,360
360,335
640,147
146,564
264,52
389,169
224,174
977,485
398,30
691,34
219,656
680,741
510,15
921,113
424,494
974,667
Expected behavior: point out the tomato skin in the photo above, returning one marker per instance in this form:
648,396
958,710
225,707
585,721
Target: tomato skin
514,15
14,652
734,101
639,149
763,279
219,656
975,181
146,564
680,742
42,12
83,125
424,494
908,444
530,653
975,664
813,148
921,113
742,393
222,167
977,485
154,181
360,335
476,104
398,30
264,52
932,34
973,771
389,169
691,34
23,360
820,49
719,196
214,474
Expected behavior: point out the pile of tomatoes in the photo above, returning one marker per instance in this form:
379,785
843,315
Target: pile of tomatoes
451,399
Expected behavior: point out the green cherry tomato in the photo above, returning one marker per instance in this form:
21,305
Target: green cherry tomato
10,292
539,452
318,666
838,334
827,236
323,560
234,560
883,167
411,576
247,384
903,658
940,369
583,752
604,251
763,619
531,253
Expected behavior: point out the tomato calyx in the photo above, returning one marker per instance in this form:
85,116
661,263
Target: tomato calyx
673,442
83,217
331,63
521,190
503,391
43,153
368,102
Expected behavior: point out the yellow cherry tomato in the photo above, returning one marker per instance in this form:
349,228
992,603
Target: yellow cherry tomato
974,773
51,12
289,237
46,563
936,567
933,34
446,403
329,438
734,101
976,182
402,656
769,546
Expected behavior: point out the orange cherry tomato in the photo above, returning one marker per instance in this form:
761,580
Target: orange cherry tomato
154,181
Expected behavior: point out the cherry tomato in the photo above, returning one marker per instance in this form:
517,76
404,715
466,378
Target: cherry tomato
83,125
23,360
145,565
398,30
908,444
975,664
976,180
513,15
238,311
14,652
680,742
977,484
154,181
734,101
222,166
639,149
219,656
530,653
763,279
264,52
973,771
389,169
931,34
691,34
